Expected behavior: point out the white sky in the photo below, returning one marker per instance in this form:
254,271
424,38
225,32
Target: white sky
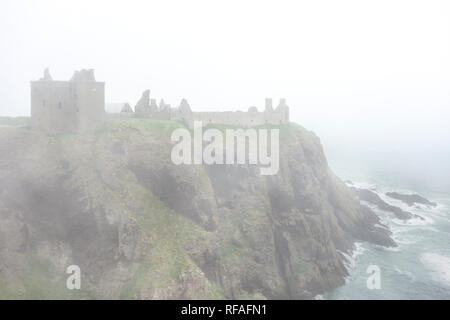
374,70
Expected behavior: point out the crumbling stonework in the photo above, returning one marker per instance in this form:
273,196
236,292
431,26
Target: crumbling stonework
142,108
147,108
239,118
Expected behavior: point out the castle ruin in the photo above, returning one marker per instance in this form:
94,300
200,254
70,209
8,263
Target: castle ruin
78,105
72,106
147,108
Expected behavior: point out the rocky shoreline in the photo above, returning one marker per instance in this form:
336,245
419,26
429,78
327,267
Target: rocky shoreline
372,198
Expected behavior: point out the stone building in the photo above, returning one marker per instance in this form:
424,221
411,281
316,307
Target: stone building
70,106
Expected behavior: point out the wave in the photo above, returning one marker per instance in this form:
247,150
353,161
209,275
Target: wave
350,259
415,221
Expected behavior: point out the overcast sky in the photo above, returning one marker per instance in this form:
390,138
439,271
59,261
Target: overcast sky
377,72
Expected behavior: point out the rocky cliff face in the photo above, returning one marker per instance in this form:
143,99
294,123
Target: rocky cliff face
140,227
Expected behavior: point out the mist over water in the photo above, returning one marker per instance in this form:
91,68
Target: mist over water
413,152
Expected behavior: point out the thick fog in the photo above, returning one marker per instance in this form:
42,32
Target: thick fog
371,78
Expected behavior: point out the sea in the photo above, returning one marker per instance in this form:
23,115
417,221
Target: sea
419,268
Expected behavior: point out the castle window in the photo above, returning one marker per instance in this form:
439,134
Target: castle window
59,105
43,103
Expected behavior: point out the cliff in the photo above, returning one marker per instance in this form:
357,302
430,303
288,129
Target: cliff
140,227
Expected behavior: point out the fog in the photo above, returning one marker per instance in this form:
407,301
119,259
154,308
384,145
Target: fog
371,78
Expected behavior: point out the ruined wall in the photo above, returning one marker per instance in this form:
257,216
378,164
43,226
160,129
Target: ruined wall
239,118
147,108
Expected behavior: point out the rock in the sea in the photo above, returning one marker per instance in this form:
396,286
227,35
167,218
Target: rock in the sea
372,198
411,199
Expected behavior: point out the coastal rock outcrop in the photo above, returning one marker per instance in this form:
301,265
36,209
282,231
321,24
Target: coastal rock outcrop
372,198
411,199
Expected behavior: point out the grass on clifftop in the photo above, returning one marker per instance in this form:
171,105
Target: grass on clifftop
14,121
165,127
157,127
144,125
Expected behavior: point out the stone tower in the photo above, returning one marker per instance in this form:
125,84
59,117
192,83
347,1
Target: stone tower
67,106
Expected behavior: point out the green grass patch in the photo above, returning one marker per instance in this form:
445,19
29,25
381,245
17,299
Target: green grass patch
152,126
14,121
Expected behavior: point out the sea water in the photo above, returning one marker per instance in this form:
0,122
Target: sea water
419,268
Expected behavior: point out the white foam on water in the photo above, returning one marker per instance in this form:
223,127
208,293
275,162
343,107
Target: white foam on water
438,264
394,202
382,226
403,237
392,249
350,259
415,221
358,250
